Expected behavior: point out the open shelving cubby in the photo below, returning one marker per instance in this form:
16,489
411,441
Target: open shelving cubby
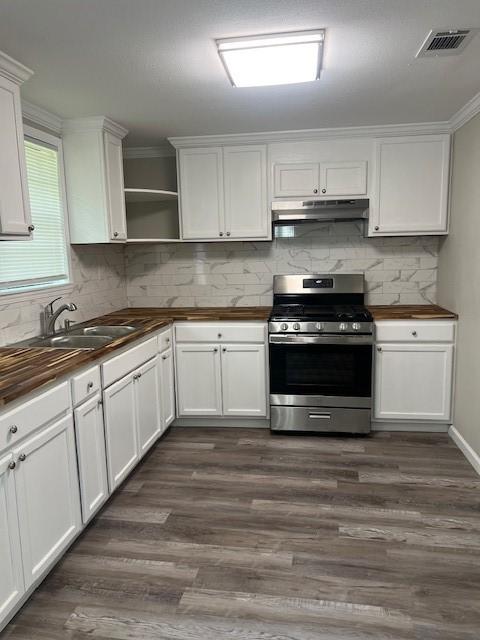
152,215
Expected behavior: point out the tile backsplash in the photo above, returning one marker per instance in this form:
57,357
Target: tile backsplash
397,270
98,274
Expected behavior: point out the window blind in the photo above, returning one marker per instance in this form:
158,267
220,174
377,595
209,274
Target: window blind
44,259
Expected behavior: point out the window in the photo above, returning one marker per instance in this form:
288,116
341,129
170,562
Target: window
44,260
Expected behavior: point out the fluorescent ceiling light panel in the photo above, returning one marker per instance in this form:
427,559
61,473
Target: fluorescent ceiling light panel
283,58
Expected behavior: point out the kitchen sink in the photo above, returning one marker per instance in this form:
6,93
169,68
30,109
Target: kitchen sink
113,331
72,342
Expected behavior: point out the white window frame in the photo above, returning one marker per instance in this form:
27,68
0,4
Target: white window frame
39,289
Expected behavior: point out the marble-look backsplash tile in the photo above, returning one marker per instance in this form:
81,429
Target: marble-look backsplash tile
397,270
98,274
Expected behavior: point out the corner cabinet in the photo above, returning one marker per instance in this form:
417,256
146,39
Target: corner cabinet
411,181
15,217
92,150
223,193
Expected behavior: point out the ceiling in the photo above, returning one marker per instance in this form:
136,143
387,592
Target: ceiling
152,64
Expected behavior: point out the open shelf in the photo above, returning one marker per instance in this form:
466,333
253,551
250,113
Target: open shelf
149,195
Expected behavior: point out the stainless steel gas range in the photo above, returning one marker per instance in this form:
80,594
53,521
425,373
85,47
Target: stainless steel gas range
321,347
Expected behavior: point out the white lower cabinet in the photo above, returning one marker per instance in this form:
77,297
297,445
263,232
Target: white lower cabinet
199,385
120,429
46,484
147,404
11,572
413,381
167,388
244,391
91,455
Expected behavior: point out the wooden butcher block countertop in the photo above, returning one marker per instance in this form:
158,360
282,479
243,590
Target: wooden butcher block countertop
411,312
24,369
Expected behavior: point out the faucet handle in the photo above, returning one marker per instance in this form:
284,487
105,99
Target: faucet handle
50,304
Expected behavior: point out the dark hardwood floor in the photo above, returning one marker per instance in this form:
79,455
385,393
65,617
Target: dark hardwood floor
232,534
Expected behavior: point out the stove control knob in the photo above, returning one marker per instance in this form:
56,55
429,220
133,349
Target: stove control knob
296,326
319,326
356,326
284,326
343,326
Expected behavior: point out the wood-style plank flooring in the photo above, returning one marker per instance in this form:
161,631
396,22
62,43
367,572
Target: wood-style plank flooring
234,534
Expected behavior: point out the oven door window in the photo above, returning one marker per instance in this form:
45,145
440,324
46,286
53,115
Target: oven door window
321,370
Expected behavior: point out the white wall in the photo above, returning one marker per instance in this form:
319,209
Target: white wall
459,277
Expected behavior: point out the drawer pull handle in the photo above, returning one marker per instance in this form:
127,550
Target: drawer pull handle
164,357
414,334
320,416
379,348
219,335
22,457
13,428
90,385
12,465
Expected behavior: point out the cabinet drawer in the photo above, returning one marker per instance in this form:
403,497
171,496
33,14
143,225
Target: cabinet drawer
221,332
32,414
165,340
86,384
415,331
119,366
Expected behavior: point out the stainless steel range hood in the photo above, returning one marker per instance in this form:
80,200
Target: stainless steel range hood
296,211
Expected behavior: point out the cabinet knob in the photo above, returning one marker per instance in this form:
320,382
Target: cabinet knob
22,457
224,349
115,234
99,403
90,385
219,335
221,233
377,228
414,334
379,348
315,191
13,428
31,227
164,357
12,465
228,233
168,340
215,349
324,191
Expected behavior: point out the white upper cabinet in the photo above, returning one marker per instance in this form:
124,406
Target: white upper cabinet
411,186
223,193
320,179
15,217
92,149
201,193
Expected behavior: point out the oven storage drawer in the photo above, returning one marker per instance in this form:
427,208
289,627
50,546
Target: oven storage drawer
320,420
411,331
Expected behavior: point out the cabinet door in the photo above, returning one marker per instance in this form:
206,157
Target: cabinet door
91,455
413,381
115,187
46,481
199,388
343,178
245,182
201,193
147,403
297,179
167,388
120,430
15,215
244,390
411,186
11,574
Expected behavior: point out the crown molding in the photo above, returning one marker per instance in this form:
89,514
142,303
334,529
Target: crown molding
13,70
95,123
42,117
164,151
313,134
466,113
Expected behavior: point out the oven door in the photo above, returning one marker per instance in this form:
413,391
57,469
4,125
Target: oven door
321,371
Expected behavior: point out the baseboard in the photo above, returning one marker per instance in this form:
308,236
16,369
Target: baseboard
421,427
471,455
250,423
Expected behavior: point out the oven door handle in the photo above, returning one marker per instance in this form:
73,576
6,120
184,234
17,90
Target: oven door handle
283,338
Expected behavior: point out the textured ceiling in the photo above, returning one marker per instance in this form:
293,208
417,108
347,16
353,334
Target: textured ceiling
152,64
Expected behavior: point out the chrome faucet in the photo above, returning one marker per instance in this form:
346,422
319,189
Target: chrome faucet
49,316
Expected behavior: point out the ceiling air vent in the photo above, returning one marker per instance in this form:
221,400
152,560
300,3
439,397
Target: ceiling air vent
446,42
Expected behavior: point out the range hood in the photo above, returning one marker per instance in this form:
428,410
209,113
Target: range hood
295,211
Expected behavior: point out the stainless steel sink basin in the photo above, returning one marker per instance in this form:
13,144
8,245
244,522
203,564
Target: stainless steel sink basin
72,342
114,331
